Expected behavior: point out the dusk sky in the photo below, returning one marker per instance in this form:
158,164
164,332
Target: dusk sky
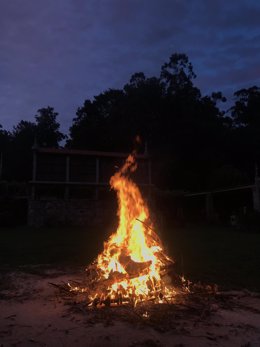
61,52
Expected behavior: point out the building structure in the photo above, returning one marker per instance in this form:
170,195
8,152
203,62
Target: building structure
71,187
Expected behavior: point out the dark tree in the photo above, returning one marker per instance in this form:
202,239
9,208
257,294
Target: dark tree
43,132
23,138
177,74
47,128
245,112
24,133
184,131
195,144
5,140
98,123
246,129
144,108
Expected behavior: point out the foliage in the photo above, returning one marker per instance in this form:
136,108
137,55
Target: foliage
17,152
245,112
5,141
177,75
195,145
168,113
246,129
5,137
47,128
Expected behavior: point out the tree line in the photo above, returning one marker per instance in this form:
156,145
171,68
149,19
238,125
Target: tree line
194,143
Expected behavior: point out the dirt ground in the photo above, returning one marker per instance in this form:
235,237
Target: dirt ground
32,313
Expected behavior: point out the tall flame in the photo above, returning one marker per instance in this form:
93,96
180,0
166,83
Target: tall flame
133,258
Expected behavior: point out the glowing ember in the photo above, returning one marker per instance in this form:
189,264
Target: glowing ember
131,266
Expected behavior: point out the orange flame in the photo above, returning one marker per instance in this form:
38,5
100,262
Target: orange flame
133,257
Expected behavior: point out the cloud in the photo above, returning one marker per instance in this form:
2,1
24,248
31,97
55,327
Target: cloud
61,52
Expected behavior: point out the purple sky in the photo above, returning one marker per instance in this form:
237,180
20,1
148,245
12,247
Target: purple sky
61,52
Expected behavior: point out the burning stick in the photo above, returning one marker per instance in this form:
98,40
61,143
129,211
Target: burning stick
133,261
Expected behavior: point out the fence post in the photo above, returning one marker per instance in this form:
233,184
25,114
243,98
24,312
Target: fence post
255,189
67,188
97,178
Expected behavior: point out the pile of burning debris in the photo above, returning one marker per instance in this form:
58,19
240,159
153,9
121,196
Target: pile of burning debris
133,267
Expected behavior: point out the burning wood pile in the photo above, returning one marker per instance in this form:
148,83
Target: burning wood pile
133,266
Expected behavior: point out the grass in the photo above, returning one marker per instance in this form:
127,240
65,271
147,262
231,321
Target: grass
57,246
217,255
210,254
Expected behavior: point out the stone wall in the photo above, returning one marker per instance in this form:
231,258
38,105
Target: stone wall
78,212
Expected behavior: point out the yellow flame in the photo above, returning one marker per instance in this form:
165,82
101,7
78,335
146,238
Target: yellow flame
132,251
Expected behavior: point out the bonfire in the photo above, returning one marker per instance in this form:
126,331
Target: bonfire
133,266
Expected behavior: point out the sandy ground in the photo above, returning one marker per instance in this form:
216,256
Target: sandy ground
32,313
